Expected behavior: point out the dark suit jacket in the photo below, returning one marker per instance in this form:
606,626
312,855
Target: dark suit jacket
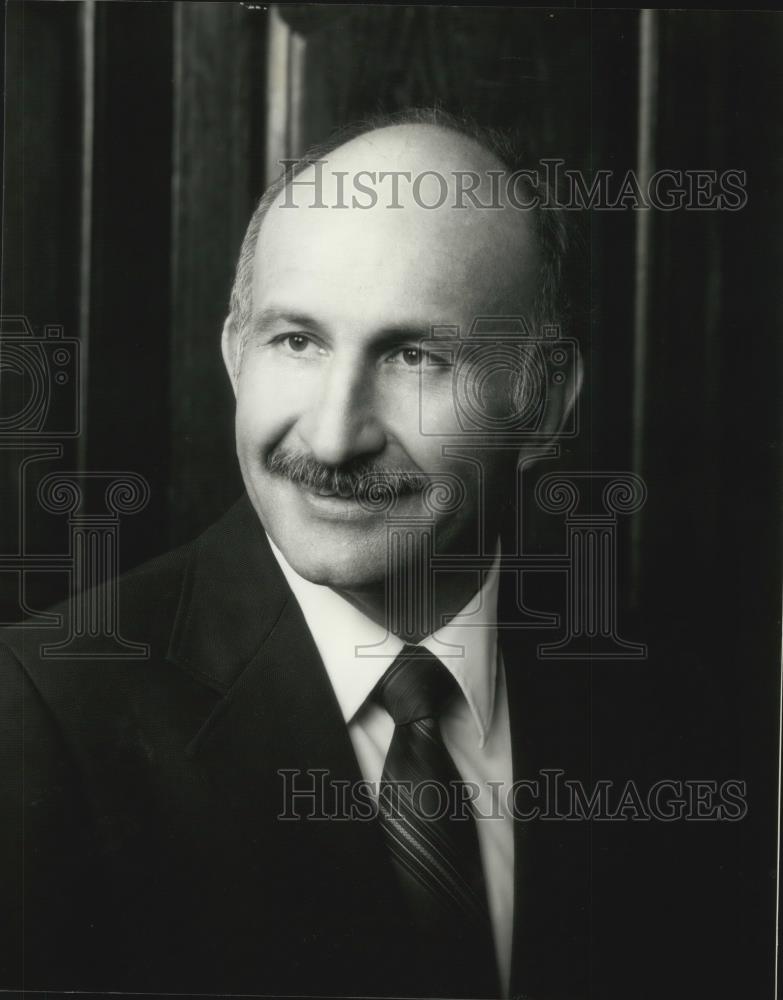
145,852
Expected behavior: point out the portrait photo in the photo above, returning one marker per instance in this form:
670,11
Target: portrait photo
390,492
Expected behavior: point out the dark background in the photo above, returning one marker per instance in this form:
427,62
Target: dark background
136,146
136,142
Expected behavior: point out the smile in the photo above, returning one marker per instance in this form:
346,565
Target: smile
333,493
332,506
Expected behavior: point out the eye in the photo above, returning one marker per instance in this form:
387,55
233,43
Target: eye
415,357
297,342
411,356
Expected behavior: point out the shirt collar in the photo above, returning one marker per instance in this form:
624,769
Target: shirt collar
356,651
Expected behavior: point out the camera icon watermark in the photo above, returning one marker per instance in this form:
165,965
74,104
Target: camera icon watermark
40,377
504,376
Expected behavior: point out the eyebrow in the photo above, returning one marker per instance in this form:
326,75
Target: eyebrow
269,317
384,337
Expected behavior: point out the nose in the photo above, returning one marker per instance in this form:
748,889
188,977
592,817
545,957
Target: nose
341,423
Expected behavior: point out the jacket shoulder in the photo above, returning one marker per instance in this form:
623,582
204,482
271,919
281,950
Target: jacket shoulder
173,631
135,608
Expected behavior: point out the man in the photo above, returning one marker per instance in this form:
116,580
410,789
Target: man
170,818
324,349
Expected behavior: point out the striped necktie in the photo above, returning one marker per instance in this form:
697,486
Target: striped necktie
431,831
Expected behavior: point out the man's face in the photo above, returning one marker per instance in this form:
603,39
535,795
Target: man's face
332,378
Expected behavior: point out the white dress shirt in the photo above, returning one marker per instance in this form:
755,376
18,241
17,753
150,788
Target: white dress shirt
356,653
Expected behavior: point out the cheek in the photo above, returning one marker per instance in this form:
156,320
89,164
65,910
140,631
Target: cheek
469,400
268,401
455,411
483,396
427,412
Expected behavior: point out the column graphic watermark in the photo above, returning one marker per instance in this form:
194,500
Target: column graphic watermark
40,412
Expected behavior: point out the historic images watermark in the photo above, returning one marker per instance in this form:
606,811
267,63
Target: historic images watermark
549,185
312,794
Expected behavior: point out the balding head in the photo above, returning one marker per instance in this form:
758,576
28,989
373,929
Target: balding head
399,164
387,248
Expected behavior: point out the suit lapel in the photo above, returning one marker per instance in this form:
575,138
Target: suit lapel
232,596
277,729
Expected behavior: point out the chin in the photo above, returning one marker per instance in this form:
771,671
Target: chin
338,570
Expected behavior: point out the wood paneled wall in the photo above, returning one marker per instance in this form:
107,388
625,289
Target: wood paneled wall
138,137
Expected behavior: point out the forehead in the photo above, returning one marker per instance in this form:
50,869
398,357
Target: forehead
397,255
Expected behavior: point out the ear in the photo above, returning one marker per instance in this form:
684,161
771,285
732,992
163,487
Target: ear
229,346
562,399
572,389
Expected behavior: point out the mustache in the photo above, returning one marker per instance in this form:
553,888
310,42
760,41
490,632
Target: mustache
360,479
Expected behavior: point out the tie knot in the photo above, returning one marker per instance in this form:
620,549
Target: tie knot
416,686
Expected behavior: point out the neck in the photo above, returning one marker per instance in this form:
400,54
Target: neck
401,608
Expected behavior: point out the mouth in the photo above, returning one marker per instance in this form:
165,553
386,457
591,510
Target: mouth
339,495
341,505
332,505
